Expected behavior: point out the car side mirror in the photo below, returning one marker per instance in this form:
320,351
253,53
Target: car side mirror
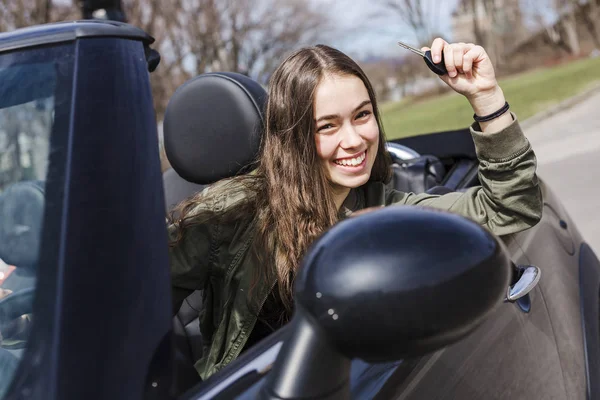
390,284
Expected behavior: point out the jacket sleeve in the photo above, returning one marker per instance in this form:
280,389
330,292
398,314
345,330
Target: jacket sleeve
509,199
190,261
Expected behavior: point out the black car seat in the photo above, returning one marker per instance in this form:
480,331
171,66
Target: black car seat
418,175
413,172
212,130
177,189
21,213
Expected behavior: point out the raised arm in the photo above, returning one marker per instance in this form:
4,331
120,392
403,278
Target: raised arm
509,198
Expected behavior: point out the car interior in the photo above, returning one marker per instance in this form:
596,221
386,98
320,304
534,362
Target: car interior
212,131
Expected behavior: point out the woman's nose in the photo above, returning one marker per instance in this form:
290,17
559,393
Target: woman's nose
350,137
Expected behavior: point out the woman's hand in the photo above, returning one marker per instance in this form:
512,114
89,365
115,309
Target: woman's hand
471,73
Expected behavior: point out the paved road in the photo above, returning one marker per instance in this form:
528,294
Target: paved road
567,146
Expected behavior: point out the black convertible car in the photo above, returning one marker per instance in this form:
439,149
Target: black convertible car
447,312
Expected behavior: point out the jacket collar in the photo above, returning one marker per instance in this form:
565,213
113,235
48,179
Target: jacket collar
371,194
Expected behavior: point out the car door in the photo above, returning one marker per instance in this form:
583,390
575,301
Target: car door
96,239
556,246
513,354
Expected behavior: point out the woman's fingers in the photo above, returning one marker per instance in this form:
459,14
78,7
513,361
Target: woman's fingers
474,53
459,58
458,52
470,70
467,60
449,61
436,49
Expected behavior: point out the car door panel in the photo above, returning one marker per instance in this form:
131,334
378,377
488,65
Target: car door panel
512,354
547,246
590,282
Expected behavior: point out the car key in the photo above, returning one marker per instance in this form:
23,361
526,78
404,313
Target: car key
439,68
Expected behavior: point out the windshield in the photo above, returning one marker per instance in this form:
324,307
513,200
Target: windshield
30,90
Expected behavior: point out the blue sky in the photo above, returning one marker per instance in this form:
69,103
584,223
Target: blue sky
372,30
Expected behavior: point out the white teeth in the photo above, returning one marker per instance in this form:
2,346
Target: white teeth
353,161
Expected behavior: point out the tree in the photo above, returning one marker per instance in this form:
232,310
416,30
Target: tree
380,74
555,21
197,36
567,11
497,26
16,14
593,21
590,13
422,16
248,36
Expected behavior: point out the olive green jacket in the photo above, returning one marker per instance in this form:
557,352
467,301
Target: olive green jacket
215,257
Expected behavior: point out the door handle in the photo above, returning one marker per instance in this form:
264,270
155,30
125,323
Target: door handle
527,277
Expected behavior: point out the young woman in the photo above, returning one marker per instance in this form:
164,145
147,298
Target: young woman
323,158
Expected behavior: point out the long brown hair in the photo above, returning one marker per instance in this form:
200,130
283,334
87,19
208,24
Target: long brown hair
289,200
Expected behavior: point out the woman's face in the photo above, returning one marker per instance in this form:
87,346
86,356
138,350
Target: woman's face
347,134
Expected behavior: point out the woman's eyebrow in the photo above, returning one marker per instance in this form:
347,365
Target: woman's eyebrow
334,116
361,105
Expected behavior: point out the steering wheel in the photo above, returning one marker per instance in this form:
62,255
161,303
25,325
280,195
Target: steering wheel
15,305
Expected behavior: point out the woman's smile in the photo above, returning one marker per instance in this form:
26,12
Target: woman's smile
353,163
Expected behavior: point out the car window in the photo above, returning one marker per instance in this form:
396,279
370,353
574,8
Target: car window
29,86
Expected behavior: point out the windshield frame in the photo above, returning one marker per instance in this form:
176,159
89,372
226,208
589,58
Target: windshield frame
107,275
46,304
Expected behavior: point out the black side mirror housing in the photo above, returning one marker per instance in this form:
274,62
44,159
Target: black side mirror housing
390,284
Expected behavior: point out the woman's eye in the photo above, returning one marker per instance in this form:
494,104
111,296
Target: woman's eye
323,127
363,114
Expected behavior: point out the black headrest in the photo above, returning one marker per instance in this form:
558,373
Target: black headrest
21,214
213,126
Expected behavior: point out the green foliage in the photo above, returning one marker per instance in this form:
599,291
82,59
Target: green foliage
528,93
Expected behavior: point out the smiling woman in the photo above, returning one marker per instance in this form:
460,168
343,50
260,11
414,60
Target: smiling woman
323,158
347,134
